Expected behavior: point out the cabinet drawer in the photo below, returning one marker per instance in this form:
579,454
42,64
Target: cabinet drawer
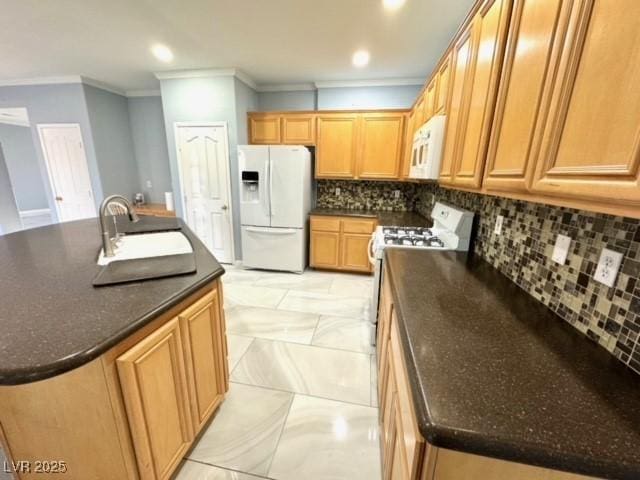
325,224
358,226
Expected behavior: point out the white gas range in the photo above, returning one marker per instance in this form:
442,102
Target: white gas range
451,230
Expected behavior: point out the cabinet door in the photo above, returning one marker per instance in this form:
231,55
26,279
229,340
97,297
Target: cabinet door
443,86
591,143
355,252
336,145
380,145
519,109
430,101
419,115
204,350
299,129
156,398
264,129
489,35
325,249
408,145
461,57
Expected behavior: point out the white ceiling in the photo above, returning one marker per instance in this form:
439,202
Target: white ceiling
273,41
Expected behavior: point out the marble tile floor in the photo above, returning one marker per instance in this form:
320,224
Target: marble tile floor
302,401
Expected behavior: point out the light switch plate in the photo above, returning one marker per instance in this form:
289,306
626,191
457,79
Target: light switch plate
608,266
498,228
337,191
149,184
561,249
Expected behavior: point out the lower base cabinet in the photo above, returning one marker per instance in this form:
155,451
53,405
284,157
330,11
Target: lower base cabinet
405,453
341,243
133,412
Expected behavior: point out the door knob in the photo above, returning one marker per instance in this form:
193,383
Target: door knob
58,199
224,207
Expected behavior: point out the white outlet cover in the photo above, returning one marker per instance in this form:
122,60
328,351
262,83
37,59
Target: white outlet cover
396,193
608,266
337,191
561,249
149,184
498,228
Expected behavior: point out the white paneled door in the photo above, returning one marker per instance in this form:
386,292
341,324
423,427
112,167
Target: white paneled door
66,161
204,172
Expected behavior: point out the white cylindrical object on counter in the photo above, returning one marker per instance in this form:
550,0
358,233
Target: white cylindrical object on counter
168,200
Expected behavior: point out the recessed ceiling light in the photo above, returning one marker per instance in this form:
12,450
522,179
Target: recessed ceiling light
162,53
392,4
361,58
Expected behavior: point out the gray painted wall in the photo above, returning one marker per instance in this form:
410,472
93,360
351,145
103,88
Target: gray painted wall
210,99
294,100
22,164
55,104
150,145
367,97
113,142
9,218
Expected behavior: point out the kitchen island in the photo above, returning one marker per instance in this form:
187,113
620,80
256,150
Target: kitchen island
109,382
479,380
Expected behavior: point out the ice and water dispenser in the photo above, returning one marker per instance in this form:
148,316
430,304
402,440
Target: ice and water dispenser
250,187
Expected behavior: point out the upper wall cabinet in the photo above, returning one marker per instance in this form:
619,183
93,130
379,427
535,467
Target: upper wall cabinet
264,128
337,144
535,38
443,86
299,129
381,140
591,142
430,98
489,33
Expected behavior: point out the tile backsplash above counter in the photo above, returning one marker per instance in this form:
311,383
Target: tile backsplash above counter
523,250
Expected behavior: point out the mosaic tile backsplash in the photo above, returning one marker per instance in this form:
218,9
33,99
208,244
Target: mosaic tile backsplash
608,316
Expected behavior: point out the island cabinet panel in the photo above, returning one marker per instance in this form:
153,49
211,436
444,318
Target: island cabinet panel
156,396
298,129
264,129
520,108
337,145
461,56
380,152
205,356
341,243
489,28
591,142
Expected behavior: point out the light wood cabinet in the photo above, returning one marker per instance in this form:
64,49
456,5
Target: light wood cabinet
155,392
298,129
380,150
590,145
519,109
489,32
419,115
443,86
337,145
461,57
408,145
264,128
430,99
340,243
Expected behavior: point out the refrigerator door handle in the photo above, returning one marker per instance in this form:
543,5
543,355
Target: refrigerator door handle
266,201
272,231
273,212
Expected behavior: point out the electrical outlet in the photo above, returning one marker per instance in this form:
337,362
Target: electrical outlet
396,194
149,184
561,249
608,266
498,228
337,191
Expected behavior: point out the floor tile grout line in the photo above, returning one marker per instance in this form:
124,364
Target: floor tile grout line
241,356
284,423
201,462
322,347
367,405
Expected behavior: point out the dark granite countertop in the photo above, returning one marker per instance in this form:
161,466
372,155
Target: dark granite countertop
406,219
495,373
53,320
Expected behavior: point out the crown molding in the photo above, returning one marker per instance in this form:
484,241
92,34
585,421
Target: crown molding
207,73
243,77
19,82
287,87
101,85
142,93
389,82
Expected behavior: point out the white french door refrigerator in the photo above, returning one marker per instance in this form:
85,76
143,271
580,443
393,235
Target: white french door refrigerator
275,199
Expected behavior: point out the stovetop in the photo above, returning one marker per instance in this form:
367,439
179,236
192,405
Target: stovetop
411,237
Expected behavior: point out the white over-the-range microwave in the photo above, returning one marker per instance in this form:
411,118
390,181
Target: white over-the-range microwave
427,149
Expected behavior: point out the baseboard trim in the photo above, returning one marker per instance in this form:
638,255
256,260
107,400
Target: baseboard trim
34,213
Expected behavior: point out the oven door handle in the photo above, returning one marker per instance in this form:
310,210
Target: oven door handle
370,252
